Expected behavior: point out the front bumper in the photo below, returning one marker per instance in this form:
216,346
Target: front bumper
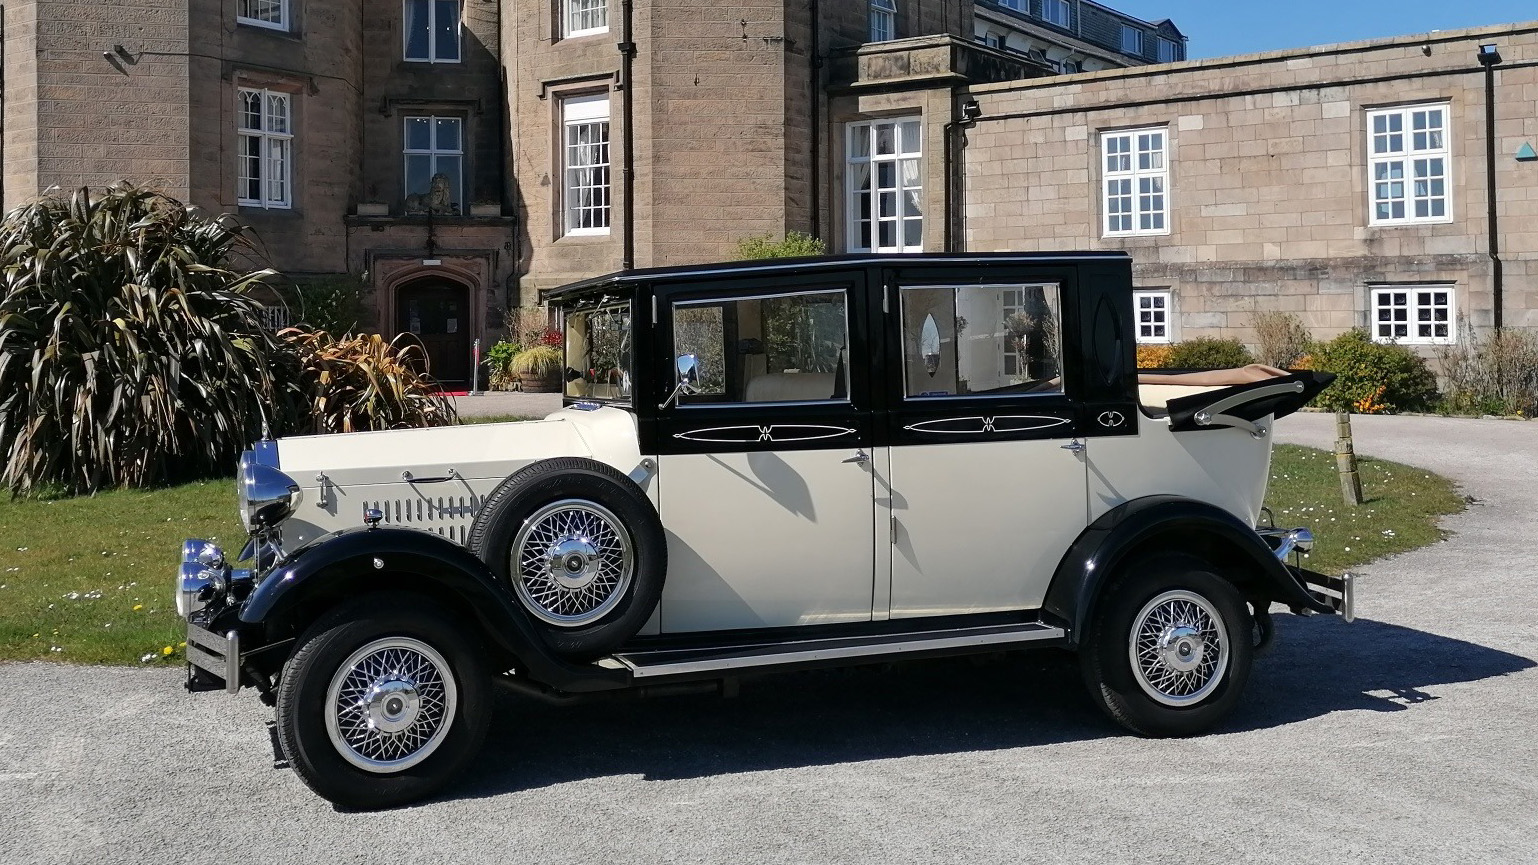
212,660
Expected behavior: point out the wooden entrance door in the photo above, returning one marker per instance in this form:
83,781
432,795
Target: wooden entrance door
437,311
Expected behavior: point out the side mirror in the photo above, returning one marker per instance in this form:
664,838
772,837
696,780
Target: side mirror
688,370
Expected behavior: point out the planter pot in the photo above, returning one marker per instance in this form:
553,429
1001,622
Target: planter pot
535,383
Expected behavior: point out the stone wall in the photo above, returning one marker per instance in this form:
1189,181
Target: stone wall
1268,181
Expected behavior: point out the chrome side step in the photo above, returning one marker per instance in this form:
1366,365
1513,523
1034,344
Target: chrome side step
693,662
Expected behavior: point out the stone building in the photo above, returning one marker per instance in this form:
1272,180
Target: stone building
1077,35
453,157
1349,184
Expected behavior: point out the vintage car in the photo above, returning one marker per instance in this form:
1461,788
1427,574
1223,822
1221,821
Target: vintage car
763,466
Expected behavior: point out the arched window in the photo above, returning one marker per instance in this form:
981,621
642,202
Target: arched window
883,20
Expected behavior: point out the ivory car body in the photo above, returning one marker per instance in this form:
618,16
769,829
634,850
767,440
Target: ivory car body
763,466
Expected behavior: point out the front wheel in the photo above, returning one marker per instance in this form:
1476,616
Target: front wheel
1168,649
382,703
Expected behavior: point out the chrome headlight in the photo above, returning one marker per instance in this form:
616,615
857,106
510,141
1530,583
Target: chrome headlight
265,496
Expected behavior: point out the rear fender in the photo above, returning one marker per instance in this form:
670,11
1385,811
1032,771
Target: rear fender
1155,523
350,563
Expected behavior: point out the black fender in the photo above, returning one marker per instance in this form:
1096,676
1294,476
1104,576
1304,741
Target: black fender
356,560
1175,523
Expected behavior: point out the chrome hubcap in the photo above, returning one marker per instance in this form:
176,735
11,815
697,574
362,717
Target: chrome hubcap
572,562
390,705
1178,648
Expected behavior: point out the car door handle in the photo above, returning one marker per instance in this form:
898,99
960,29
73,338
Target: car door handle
860,456
1076,446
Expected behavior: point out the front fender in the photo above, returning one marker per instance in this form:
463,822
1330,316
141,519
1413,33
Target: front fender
1170,522
350,562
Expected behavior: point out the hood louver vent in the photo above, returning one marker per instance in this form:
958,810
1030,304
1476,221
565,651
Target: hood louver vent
449,516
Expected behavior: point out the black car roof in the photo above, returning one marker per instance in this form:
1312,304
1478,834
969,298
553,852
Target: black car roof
813,264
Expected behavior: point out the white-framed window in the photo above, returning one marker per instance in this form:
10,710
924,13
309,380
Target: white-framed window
1056,12
272,14
264,173
435,146
883,20
1414,314
1017,5
1408,164
431,31
1136,181
1131,40
585,164
1168,50
885,169
584,17
1151,310
993,39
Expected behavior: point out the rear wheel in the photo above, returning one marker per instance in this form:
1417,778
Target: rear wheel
382,704
1168,651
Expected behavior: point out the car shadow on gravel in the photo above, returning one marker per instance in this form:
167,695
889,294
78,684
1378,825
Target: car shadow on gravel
826,717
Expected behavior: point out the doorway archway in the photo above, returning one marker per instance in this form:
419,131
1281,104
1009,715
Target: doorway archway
437,311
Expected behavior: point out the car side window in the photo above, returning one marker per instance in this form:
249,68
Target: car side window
778,348
962,340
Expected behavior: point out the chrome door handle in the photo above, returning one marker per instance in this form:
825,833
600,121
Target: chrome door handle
860,456
1076,446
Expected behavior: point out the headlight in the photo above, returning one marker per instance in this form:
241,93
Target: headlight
265,496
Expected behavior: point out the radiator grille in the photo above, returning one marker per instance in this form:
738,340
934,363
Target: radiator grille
449,516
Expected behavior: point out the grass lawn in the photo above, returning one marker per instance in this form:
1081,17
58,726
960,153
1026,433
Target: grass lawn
1399,512
89,580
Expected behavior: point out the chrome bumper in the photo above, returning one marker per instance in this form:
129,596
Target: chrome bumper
215,655
1337,593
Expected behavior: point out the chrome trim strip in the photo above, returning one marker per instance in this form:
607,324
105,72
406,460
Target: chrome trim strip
1023,634
765,433
988,424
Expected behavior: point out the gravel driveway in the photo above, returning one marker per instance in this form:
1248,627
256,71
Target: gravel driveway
1408,736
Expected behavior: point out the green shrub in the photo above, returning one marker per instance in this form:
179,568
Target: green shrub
1209,353
499,360
1372,378
130,355
794,245
354,383
333,304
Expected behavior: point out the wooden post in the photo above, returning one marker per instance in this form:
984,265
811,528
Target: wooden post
1345,460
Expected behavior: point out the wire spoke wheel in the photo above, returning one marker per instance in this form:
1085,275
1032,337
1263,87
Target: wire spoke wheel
572,562
390,705
1179,648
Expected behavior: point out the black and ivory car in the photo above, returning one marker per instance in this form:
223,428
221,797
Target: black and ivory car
762,466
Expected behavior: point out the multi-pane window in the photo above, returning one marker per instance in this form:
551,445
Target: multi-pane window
1151,309
432,31
435,159
1168,51
1408,156
883,20
264,174
1055,12
1413,314
585,155
1131,40
993,39
272,14
1017,5
886,186
585,17
1136,181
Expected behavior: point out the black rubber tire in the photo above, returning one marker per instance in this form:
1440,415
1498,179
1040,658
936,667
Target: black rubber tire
307,676
534,486
1107,669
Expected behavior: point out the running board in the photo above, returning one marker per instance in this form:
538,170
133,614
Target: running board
658,663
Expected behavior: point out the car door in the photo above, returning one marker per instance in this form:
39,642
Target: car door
764,480
985,468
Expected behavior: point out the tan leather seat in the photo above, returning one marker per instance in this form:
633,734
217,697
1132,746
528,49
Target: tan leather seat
790,387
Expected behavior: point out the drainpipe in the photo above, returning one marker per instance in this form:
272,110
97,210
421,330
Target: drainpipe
627,98
1489,57
816,120
963,116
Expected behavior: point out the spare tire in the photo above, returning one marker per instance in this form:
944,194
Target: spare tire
582,549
